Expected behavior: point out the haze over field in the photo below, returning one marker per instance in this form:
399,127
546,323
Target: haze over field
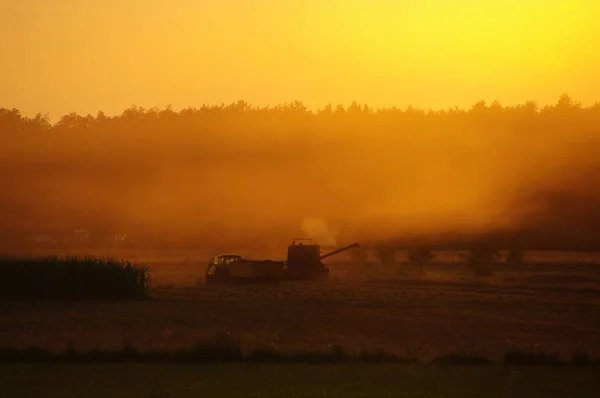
256,172
237,174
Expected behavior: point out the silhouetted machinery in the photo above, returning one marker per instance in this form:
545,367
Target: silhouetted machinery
304,262
232,268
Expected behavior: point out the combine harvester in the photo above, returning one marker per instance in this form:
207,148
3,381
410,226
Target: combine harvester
304,262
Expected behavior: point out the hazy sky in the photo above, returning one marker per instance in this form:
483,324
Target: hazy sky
60,56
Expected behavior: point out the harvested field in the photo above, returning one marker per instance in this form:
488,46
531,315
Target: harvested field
363,306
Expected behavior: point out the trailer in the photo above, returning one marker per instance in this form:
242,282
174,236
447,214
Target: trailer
232,268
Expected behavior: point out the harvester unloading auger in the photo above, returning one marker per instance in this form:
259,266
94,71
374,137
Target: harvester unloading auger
304,262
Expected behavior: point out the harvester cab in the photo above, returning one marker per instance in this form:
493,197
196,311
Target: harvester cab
304,261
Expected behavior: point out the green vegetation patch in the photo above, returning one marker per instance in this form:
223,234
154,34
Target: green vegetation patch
71,278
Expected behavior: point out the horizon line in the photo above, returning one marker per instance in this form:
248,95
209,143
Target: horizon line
311,110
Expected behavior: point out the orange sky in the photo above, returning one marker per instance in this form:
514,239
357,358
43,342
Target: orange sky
75,55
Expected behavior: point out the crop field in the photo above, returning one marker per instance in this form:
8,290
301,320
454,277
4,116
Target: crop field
438,315
86,278
550,306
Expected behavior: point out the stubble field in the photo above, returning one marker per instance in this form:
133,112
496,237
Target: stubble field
551,306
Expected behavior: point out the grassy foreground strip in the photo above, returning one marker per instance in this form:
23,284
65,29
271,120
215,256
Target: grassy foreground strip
293,380
222,351
71,278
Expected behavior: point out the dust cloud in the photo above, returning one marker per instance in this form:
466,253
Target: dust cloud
319,232
239,176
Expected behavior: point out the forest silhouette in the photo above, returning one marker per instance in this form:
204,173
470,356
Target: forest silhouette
240,175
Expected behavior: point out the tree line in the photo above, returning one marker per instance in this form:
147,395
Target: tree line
240,114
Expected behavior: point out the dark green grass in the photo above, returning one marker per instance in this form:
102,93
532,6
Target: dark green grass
223,348
213,350
71,278
293,380
462,359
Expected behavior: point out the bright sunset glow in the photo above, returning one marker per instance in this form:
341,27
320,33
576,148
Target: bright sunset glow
75,55
371,173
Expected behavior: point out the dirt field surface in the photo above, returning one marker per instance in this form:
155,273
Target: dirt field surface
153,381
442,310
